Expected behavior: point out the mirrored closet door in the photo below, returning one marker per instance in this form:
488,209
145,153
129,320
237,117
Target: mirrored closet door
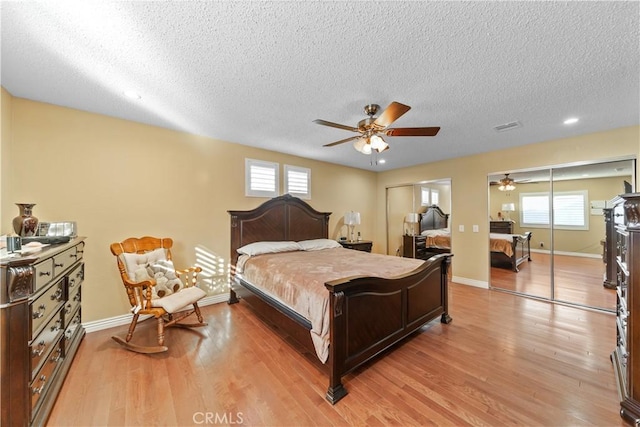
556,214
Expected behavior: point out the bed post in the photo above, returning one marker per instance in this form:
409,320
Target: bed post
233,260
446,263
336,390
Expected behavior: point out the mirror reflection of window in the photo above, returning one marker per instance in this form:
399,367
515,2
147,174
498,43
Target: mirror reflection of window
429,196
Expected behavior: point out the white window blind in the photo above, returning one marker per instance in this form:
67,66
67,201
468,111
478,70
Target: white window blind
261,178
569,210
424,198
297,181
435,197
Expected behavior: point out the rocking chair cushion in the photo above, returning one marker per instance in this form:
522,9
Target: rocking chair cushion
133,262
179,300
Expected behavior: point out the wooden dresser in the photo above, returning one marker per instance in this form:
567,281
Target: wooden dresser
40,314
503,227
626,356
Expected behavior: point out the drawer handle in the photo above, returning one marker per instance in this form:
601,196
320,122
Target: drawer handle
38,314
73,256
56,327
56,295
45,273
57,357
72,283
59,265
38,390
41,348
76,297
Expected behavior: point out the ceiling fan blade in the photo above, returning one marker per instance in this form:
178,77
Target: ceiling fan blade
342,141
335,125
432,131
391,114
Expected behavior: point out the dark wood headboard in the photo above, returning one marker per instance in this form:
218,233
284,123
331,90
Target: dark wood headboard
279,219
433,219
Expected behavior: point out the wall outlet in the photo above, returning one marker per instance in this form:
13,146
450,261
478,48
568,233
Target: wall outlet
461,228
475,228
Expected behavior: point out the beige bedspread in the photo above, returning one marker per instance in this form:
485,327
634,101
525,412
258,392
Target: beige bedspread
439,238
501,243
297,279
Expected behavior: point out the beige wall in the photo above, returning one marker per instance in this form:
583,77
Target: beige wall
118,179
5,153
469,189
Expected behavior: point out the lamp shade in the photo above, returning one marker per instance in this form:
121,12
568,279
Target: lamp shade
412,218
352,218
508,207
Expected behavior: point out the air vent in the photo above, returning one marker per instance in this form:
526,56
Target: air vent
507,126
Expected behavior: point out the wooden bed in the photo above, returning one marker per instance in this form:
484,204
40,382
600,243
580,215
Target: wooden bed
434,219
368,314
520,245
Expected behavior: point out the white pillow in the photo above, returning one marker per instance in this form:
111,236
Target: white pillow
258,248
132,262
318,244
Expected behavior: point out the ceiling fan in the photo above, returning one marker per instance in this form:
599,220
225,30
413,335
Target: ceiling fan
508,184
373,128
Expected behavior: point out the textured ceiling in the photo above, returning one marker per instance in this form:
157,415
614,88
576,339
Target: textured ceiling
259,73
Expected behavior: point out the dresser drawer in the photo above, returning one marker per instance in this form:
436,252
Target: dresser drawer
45,376
71,306
75,278
45,306
73,324
64,260
43,273
43,344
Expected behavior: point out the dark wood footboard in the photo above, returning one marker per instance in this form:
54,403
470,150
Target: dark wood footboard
401,307
521,251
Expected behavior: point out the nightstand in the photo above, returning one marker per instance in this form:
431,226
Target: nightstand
502,227
362,245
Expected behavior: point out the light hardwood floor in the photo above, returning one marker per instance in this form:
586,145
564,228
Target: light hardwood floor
504,360
577,280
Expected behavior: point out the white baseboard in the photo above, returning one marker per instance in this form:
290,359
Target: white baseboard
470,282
576,254
125,319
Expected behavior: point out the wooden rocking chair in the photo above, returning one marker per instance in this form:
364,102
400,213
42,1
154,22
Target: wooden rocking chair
155,288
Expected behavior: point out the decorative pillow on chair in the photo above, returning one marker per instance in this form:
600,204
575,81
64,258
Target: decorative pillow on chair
165,274
133,262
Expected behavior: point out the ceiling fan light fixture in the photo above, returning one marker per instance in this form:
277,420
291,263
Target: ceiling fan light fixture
359,144
378,144
366,149
506,184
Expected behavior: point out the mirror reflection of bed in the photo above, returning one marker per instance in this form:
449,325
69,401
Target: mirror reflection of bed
566,262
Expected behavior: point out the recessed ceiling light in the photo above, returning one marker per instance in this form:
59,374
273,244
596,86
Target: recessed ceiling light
382,161
571,121
131,94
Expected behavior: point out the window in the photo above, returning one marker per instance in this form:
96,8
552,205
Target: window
429,196
261,178
569,210
297,181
